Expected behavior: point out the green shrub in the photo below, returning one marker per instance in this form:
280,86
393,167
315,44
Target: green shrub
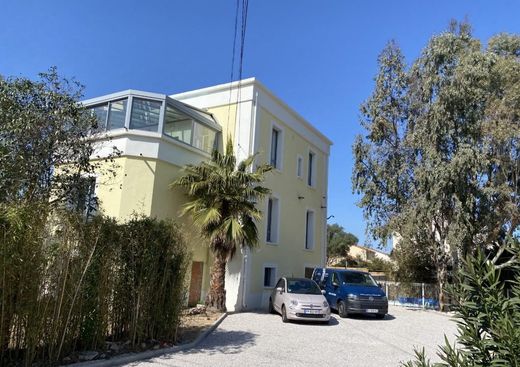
488,312
70,284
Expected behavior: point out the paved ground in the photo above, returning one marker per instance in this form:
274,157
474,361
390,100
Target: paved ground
256,339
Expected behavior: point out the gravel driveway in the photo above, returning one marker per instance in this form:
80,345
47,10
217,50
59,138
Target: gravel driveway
260,339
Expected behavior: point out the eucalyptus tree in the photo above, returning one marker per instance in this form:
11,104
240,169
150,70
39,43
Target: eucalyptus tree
222,203
440,163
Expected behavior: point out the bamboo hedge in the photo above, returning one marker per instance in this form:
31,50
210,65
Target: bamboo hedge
68,284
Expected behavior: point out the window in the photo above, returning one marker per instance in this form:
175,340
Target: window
308,272
117,115
145,115
281,284
272,219
82,198
269,276
309,230
276,140
203,138
311,180
182,127
100,113
299,166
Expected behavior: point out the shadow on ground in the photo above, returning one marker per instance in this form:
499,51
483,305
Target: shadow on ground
224,341
368,317
332,322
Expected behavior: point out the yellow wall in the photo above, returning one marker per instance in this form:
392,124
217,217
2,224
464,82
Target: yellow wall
289,254
141,186
226,117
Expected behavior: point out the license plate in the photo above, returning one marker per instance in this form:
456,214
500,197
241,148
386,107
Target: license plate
312,312
371,310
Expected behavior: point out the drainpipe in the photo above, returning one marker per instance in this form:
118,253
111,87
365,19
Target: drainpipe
245,250
245,255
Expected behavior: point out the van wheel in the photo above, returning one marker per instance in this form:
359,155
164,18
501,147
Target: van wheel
284,315
342,309
271,308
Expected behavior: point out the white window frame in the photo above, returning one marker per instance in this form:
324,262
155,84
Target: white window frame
274,274
299,166
279,146
275,221
310,245
311,168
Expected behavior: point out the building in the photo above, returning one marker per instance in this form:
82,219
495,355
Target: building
367,253
159,134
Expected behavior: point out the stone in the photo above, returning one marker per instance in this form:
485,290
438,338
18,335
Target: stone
88,355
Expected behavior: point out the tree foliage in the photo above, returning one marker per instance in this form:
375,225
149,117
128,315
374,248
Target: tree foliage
222,202
44,150
339,241
440,163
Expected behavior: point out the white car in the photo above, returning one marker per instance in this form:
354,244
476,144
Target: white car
299,299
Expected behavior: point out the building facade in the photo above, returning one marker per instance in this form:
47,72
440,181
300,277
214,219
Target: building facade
158,134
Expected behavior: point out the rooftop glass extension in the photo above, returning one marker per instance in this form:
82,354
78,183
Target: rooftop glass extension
135,110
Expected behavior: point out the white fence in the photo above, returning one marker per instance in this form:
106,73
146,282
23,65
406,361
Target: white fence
419,295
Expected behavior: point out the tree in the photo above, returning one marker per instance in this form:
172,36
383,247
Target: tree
440,164
222,202
44,147
339,241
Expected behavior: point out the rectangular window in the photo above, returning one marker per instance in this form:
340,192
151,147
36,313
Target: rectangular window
311,169
272,220
203,138
100,113
181,127
309,230
145,115
117,115
275,148
299,166
269,276
82,199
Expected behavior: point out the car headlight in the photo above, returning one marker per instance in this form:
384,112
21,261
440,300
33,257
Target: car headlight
352,296
294,302
325,304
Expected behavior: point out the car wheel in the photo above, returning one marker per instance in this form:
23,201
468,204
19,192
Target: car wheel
380,316
342,309
284,315
271,308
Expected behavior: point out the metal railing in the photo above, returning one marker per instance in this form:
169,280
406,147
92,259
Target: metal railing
418,295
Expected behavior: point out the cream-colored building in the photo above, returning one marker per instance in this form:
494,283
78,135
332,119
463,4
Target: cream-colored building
159,134
367,253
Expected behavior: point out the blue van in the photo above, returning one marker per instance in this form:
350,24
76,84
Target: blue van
351,292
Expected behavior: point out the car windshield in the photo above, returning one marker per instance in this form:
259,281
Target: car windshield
357,278
302,286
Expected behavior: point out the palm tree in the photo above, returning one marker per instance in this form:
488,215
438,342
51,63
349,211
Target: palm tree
222,203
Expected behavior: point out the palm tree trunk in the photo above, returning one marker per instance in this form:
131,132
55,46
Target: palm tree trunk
216,297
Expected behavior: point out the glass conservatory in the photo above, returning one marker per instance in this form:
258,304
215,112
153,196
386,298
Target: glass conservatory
156,113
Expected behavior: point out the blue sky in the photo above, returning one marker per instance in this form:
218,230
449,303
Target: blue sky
318,56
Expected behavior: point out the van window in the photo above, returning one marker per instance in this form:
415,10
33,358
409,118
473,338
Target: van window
358,279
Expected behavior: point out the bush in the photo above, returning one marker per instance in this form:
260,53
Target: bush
69,285
488,312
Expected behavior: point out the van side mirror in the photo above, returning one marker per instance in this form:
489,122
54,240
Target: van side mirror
279,289
335,284
323,291
379,285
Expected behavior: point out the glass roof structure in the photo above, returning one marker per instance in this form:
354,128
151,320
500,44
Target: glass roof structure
156,113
